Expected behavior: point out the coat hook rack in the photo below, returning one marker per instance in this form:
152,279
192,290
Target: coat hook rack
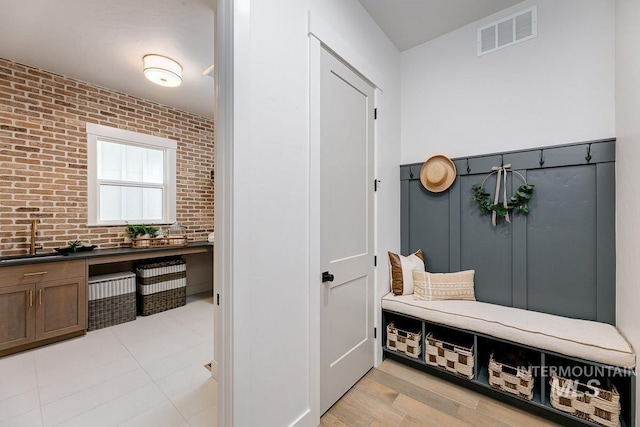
588,157
541,158
468,168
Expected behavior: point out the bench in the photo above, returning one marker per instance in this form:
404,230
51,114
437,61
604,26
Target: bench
584,339
552,340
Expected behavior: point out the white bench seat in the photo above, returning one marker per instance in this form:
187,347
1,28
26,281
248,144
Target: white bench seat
584,339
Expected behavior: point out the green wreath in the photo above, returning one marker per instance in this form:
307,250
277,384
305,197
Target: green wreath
518,201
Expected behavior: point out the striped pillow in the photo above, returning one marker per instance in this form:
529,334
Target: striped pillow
400,268
444,286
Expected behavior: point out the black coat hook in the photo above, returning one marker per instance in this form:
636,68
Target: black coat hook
410,173
541,158
501,160
588,157
468,168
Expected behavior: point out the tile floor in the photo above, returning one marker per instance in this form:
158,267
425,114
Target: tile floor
149,372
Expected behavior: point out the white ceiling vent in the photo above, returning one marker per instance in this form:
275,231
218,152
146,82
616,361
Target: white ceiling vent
507,31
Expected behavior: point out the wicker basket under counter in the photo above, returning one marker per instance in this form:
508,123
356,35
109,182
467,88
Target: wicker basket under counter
112,299
598,405
161,285
514,376
403,341
452,357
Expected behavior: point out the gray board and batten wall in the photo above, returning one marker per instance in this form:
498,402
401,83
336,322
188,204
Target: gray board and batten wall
558,259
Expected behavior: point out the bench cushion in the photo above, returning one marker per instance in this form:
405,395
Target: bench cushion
584,339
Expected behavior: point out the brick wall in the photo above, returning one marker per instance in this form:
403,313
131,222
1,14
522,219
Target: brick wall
43,157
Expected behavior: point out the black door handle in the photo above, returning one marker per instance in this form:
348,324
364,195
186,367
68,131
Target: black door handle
327,277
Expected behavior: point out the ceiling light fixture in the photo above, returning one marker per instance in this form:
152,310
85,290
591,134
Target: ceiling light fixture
162,70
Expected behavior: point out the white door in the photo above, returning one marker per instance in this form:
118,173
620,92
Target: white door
346,227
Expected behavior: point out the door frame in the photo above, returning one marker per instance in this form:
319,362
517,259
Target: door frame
223,221
323,35
233,30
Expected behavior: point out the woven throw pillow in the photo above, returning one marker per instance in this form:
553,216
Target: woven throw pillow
400,271
444,286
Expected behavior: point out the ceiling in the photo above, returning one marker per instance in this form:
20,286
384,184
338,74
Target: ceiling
409,23
103,41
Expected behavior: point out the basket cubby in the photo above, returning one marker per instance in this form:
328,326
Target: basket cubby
541,363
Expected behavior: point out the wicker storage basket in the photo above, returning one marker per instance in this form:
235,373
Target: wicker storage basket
405,342
112,299
161,286
515,377
454,358
590,403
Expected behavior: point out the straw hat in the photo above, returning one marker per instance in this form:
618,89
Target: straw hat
437,173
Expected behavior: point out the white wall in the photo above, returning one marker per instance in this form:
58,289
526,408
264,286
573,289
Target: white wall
554,89
273,365
578,80
627,178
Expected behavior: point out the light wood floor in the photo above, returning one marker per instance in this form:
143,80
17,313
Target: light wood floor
397,395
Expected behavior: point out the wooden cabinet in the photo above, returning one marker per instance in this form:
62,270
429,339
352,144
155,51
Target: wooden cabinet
17,316
40,302
61,307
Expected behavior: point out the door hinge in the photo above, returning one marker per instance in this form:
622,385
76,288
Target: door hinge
375,184
218,299
375,333
375,260
375,114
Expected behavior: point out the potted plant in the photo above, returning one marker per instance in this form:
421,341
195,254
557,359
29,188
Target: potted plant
75,246
150,230
135,231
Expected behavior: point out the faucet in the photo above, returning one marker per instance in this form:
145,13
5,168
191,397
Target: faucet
32,243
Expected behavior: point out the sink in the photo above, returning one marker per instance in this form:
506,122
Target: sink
16,258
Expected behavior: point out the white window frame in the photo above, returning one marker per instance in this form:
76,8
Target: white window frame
106,133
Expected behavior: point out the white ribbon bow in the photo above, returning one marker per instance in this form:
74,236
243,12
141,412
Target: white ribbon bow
502,175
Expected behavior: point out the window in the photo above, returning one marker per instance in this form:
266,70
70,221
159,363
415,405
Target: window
131,177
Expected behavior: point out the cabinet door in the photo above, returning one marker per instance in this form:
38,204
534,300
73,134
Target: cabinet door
17,317
61,307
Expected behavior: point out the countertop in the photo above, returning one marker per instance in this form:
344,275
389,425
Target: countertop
94,256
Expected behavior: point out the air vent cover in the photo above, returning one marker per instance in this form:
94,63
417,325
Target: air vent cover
508,31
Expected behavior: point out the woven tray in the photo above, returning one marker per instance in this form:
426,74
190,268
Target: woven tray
405,342
515,377
598,405
154,242
454,358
